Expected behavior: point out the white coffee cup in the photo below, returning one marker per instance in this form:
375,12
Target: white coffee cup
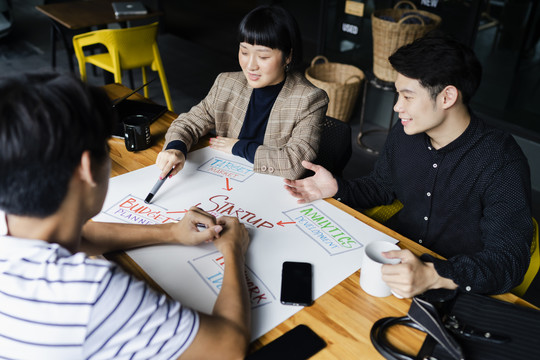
370,274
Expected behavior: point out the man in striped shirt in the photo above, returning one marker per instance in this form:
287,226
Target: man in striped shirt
55,301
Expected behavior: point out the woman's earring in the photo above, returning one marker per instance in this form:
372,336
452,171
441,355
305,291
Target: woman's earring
287,68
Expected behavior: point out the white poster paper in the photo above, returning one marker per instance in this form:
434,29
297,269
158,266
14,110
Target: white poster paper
280,230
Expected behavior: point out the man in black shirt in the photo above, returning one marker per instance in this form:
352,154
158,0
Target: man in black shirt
465,186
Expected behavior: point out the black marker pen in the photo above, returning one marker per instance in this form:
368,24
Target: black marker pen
156,187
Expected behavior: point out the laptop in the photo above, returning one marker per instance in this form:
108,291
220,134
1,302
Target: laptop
129,8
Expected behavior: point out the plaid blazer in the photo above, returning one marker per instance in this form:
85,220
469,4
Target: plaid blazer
293,130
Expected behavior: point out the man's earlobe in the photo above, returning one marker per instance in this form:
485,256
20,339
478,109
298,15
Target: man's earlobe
450,96
85,169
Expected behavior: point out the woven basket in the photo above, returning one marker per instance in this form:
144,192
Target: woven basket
340,81
389,36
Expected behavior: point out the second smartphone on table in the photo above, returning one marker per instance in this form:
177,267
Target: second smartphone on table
296,283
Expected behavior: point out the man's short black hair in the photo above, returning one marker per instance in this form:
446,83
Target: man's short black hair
437,61
273,27
46,122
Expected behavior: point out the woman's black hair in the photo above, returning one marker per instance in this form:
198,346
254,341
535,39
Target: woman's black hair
274,27
436,61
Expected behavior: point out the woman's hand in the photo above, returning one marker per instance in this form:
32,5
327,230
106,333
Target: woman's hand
168,159
222,143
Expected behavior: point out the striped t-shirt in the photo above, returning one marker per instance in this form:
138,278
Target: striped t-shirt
56,305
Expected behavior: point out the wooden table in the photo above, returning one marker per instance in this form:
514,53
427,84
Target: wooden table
343,316
87,13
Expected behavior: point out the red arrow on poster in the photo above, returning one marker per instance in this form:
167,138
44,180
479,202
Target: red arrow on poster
228,188
281,223
177,212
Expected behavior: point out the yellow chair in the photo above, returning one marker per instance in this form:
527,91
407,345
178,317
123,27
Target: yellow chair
382,213
128,48
534,265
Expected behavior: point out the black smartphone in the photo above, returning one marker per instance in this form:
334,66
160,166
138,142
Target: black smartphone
296,286
299,343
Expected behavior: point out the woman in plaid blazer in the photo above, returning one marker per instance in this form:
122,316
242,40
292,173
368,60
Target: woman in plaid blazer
265,113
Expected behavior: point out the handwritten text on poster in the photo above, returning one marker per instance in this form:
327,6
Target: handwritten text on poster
210,268
323,230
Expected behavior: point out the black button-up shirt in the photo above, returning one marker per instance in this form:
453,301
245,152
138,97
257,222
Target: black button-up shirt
468,201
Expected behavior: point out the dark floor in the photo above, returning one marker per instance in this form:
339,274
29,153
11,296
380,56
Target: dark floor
191,70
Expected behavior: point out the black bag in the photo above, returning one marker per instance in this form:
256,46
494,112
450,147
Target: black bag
472,327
